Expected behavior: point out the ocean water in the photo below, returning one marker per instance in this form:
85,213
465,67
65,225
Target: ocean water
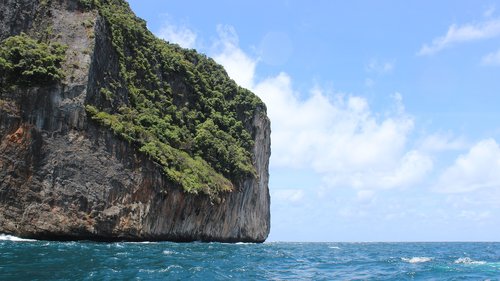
41,260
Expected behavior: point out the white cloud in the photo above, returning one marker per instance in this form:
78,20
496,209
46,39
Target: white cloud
181,35
491,58
288,195
340,138
412,168
335,134
238,65
464,33
378,67
478,169
442,142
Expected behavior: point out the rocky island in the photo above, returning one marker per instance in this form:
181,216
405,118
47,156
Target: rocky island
108,133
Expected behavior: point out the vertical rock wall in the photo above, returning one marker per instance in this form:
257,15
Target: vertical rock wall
64,177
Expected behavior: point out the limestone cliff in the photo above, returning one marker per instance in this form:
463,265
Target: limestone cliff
67,172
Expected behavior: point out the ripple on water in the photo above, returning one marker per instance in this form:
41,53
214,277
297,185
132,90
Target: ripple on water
21,260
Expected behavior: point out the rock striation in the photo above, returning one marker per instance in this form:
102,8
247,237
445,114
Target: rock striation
64,176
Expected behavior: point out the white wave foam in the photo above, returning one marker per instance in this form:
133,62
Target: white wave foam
468,260
4,237
167,252
416,259
334,247
167,269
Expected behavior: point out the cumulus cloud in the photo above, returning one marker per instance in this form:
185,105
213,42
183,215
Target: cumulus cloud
335,134
181,35
340,138
459,34
413,166
238,65
477,169
491,59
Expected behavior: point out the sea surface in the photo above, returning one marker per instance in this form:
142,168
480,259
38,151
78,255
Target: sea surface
41,260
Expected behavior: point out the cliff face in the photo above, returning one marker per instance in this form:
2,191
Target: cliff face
66,176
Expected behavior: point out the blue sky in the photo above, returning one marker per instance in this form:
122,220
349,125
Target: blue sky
385,121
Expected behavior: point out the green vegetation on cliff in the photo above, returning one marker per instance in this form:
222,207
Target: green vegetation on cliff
27,62
178,106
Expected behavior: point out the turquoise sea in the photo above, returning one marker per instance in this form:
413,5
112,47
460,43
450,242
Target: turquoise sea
42,260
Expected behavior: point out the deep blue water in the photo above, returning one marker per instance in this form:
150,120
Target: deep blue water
41,260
